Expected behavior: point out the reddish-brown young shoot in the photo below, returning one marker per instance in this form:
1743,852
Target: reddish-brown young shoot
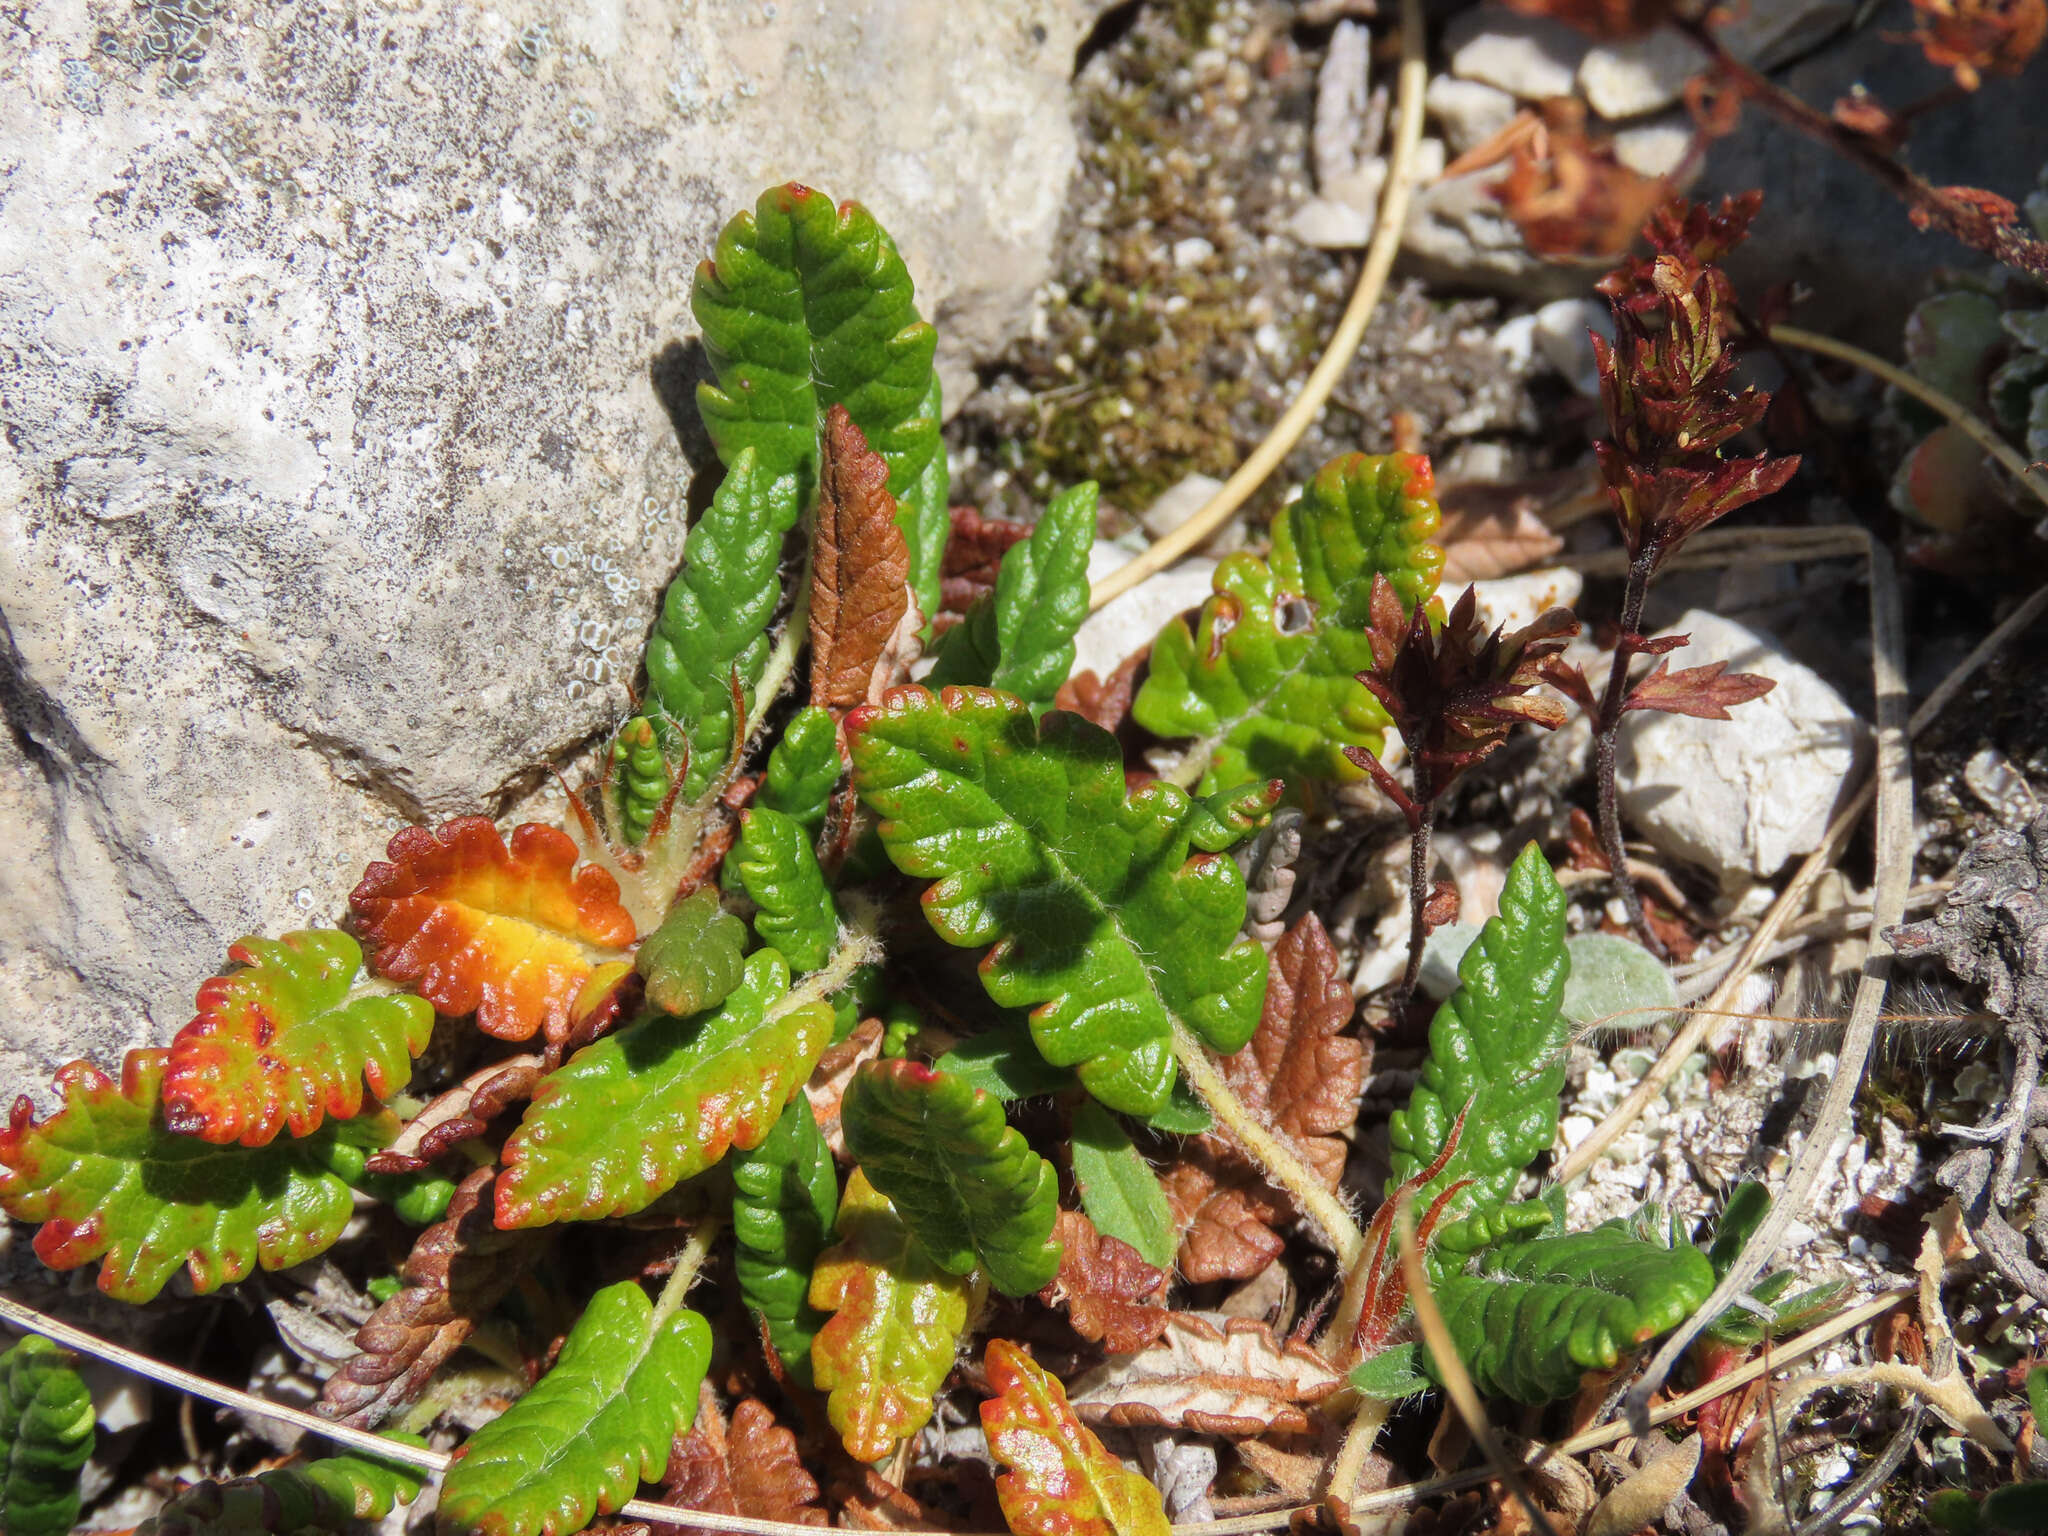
1670,413
1454,694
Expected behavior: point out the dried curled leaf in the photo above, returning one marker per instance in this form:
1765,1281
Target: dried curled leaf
1496,1053
1299,1073
1103,919
1058,1479
859,564
280,1044
805,306
333,1495
974,559
511,934
1111,1294
458,1270
785,1196
967,1185
775,865
581,1440
749,1468
1020,636
1539,1314
895,1318
1222,1376
46,1436
627,1119
1266,682
110,1181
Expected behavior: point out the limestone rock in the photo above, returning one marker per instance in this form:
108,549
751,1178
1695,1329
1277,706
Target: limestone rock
1527,56
1133,620
1648,74
1467,112
1740,796
340,481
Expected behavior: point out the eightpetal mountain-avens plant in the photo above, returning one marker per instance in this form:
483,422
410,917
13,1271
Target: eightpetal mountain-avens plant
703,1022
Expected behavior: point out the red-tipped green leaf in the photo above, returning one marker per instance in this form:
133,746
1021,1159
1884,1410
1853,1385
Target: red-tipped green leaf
280,1045
512,934
110,1181
896,1316
627,1119
967,1184
1103,918
1058,1478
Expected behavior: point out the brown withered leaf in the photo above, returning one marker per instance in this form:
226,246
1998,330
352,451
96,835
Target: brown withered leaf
827,1088
1216,1376
1707,692
973,560
860,566
459,1268
750,1467
1227,1211
868,1501
458,1113
1569,194
1113,1297
1106,701
1491,530
1299,1073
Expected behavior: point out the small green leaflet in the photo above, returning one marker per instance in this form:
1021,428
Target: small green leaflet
46,1434
1497,1045
1119,1190
1266,690
774,864
1003,1062
802,768
805,306
692,961
627,1119
1020,637
713,624
597,1425
967,1185
334,1494
785,1196
1104,918
1540,1314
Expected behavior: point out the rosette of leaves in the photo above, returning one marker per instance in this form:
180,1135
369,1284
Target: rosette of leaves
1265,684
1112,916
46,1435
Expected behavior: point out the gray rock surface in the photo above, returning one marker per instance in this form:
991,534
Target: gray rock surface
338,486
1740,797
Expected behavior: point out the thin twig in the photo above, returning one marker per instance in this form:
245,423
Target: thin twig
1979,431
1315,393
1894,874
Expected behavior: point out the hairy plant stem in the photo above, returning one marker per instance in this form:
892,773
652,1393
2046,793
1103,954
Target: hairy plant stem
1961,216
1605,726
684,1275
1276,1159
1341,1484
1421,825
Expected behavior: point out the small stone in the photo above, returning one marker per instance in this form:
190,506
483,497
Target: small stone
1527,56
1643,74
1192,252
1563,337
1467,112
1176,505
1654,149
1514,601
1739,797
1134,619
1331,226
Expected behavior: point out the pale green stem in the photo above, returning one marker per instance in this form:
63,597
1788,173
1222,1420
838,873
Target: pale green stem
781,662
1359,1439
1280,1162
684,1275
